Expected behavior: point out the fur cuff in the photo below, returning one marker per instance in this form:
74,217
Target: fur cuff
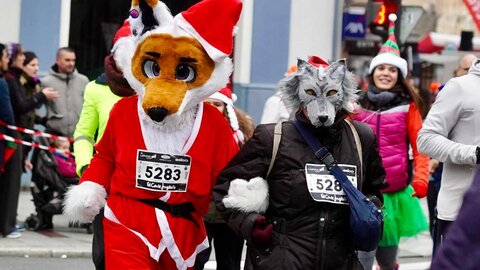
248,196
84,201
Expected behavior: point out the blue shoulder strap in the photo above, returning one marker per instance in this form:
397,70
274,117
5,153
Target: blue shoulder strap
322,153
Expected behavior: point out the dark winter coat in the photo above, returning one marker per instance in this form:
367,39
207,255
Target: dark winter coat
307,234
24,99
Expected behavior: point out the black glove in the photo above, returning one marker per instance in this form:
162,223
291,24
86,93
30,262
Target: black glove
82,170
478,154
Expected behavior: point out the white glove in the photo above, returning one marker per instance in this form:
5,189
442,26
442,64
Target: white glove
83,202
247,196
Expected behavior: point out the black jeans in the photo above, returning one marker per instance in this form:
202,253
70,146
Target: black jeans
98,248
228,248
441,231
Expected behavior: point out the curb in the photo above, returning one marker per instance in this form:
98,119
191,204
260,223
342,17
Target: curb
44,252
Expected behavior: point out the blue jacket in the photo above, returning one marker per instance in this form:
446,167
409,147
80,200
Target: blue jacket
6,114
461,249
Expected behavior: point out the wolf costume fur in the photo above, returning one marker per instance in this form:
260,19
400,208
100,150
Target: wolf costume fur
321,91
162,134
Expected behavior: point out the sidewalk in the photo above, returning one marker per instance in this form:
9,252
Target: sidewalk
60,242
75,242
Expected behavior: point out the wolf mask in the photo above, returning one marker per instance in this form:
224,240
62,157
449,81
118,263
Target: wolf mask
321,92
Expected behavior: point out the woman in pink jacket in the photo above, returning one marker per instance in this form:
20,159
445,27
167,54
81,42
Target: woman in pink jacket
392,109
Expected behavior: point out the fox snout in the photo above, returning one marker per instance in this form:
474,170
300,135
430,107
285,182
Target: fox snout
157,114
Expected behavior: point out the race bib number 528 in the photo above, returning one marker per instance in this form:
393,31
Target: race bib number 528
162,172
324,187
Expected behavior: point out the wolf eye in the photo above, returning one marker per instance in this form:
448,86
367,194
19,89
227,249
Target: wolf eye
310,92
186,73
332,93
150,69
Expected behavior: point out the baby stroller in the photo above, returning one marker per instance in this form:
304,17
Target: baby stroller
48,188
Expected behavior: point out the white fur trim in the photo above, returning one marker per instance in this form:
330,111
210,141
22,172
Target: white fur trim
222,97
162,14
174,134
172,248
248,196
391,59
83,202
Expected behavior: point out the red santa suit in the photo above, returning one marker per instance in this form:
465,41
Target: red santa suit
138,235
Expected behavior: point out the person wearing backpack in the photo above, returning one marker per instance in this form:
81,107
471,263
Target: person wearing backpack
281,198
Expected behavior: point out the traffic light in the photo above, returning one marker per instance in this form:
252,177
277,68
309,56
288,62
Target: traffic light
377,16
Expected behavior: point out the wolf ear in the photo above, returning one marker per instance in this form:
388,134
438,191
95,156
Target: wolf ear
338,69
302,63
304,66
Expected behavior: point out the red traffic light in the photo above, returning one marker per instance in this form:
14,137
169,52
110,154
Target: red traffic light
385,7
381,15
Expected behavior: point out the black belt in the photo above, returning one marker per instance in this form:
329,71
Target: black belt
177,210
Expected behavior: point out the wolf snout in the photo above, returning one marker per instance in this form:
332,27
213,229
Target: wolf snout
157,114
322,118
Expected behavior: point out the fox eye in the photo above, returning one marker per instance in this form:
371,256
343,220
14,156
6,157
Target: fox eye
332,93
185,72
150,69
310,92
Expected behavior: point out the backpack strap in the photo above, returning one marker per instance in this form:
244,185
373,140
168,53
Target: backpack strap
357,143
277,135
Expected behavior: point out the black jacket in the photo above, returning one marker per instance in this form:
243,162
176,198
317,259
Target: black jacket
307,234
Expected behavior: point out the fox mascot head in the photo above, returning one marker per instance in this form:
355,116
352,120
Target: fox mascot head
174,63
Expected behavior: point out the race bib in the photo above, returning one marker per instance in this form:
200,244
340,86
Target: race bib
324,187
162,172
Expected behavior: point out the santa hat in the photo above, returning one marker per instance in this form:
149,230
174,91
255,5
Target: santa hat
313,60
389,52
213,29
225,94
317,62
123,31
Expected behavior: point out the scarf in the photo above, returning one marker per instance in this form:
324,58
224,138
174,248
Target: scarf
382,98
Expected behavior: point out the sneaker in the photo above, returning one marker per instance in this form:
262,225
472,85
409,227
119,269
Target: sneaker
20,227
14,234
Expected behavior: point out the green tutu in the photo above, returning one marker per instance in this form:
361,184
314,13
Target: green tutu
404,217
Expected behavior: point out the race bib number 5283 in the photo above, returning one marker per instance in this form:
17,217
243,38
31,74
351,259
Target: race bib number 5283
162,172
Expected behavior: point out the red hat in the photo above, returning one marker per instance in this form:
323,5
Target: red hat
225,94
123,31
313,60
317,62
213,29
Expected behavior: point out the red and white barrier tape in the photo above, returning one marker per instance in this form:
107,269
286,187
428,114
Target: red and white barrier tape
32,144
35,132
